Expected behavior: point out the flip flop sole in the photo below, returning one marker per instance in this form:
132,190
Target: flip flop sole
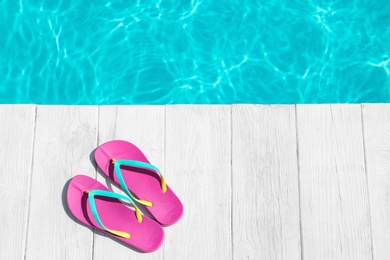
144,184
146,236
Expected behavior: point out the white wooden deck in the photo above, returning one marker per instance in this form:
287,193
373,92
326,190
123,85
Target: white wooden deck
257,182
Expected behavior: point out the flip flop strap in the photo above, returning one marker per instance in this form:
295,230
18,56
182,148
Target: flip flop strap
137,164
108,194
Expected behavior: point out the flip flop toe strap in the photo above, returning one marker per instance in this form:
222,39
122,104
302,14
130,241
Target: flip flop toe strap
136,164
108,194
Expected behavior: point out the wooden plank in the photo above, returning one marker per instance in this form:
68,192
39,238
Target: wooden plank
335,215
16,139
265,183
376,123
65,137
143,126
197,166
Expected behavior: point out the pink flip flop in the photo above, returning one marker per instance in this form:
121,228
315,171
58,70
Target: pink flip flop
95,206
127,166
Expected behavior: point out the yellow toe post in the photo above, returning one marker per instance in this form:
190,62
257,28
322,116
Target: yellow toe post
138,215
113,160
86,191
120,233
145,203
163,184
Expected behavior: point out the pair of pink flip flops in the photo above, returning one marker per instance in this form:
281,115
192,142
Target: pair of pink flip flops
95,206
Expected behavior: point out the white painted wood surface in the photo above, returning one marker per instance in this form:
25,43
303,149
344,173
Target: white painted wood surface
16,142
254,184
265,183
198,147
335,215
64,139
376,124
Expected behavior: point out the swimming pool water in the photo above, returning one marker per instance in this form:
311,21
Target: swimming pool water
199,51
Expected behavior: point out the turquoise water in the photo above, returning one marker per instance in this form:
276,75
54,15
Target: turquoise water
209,51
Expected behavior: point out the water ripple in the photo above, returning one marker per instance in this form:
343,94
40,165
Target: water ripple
169,52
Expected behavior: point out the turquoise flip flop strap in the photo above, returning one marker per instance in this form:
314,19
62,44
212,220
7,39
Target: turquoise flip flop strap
109,194
137,164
